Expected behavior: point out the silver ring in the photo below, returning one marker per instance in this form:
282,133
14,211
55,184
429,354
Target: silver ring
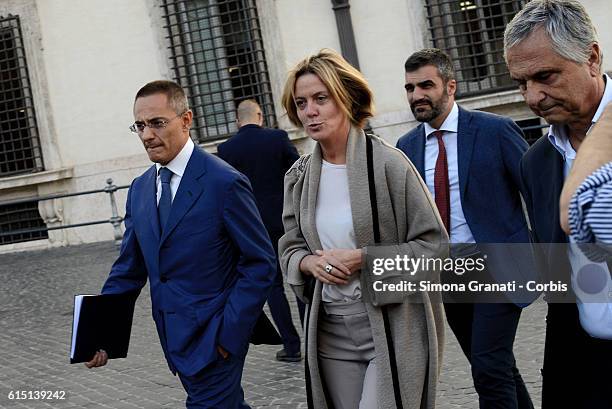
328,268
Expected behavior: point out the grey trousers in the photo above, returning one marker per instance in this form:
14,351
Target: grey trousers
346,356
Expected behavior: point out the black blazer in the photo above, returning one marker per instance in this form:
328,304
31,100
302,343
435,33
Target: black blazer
263,155
542,180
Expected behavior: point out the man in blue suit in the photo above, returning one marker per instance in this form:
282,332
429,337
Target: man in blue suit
192,228
470,163
264,156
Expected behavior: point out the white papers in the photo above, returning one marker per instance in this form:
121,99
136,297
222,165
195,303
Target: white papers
78,300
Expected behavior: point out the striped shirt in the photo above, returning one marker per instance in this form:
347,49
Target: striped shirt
590,210
590,222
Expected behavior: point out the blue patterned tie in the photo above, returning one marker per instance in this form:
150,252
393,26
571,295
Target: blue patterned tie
165,200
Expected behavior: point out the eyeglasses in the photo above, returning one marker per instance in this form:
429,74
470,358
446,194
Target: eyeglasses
158,123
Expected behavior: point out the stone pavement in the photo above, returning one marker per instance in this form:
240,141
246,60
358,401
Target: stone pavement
36,290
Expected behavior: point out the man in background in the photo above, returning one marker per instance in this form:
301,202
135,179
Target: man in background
470,163
264,155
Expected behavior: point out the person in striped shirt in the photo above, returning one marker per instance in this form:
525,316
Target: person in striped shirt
586,216
586,199
590,209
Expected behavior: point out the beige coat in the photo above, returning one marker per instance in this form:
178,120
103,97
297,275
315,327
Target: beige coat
409,224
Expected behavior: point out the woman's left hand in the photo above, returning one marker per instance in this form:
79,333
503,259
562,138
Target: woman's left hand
351,258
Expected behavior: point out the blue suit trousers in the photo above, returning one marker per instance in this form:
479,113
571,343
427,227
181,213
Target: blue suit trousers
217,385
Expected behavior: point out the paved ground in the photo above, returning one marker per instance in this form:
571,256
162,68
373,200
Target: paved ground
36,290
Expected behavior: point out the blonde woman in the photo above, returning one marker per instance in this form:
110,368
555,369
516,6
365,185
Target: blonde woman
363,349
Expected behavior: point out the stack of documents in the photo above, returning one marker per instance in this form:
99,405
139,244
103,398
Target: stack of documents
101,322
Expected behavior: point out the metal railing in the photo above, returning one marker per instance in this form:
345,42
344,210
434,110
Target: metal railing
533,132
115,220
534,127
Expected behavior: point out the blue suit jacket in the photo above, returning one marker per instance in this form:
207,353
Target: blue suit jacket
264,156
210,270
489,150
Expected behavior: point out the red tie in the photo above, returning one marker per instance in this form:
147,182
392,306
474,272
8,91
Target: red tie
441,186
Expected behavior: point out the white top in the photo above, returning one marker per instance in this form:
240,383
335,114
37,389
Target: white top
459,230
595,317
334,222
177,166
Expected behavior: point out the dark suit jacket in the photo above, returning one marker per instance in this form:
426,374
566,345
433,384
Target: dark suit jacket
210,270
542,181
568,348
263,155
489,149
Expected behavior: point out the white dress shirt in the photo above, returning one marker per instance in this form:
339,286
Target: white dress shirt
177,166
595,317
460,231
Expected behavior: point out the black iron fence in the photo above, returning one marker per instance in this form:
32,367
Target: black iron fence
40,232
20,150
217,55
472,32
532,133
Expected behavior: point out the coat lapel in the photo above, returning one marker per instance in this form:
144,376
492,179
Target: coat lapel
547,187
557,178
188,192
361,210
466,136
359,192
314,176
417,147
357,171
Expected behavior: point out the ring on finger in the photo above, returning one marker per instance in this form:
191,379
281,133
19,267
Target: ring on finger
328,268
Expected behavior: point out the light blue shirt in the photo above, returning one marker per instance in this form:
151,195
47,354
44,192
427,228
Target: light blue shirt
595,317
460,231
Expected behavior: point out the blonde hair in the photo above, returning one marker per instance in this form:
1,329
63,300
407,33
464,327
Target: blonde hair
346,85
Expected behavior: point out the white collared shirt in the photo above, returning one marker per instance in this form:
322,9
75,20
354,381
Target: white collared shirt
177,166
460,231
595,318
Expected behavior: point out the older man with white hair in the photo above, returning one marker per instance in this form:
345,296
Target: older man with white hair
552,52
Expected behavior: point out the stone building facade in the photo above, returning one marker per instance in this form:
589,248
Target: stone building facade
69,71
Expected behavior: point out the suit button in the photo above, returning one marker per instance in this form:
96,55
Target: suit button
163,279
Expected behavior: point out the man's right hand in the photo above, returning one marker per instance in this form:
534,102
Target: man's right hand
99,359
